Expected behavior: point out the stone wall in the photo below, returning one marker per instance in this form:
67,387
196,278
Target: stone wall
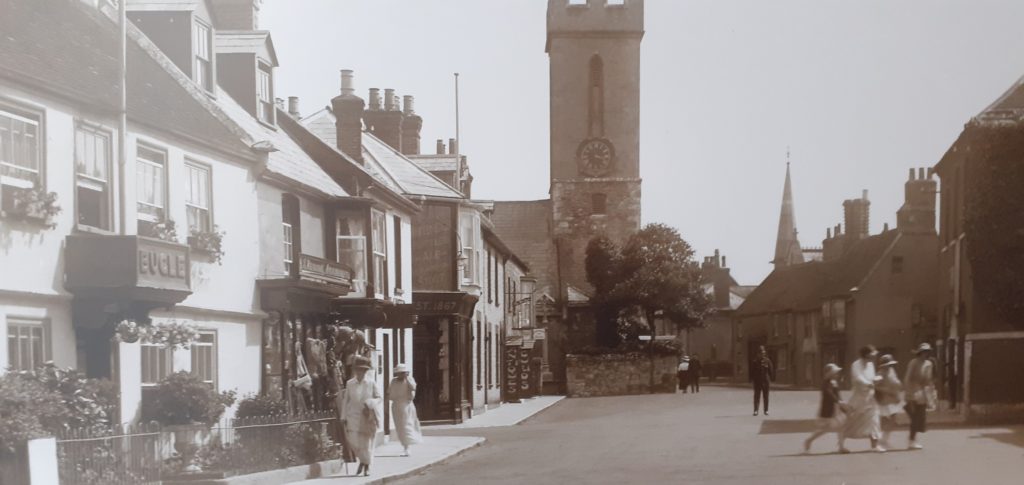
619,374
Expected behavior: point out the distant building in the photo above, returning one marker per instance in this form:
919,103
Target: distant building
865,290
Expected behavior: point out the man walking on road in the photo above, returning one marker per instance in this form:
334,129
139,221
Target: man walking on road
695,368
762,372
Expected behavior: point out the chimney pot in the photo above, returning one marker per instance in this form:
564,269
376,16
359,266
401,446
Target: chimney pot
347,85
931,171
920,173
279,103
912,177
440,146
885,227
293,106
374,103
864,195
389,100
407,105
723,262
828,233
452,148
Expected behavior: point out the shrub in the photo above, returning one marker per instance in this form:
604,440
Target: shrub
28,410
91,403
260,405
183,398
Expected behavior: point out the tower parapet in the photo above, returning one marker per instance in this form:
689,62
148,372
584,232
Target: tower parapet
571,18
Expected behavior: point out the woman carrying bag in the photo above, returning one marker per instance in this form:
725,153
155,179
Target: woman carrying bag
921,394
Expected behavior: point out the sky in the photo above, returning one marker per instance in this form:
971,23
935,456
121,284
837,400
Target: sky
859,92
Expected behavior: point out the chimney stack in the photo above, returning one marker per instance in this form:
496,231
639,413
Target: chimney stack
857,216
452,148
440,146
374,103
411,126
237,14
348,111
293,106
918,211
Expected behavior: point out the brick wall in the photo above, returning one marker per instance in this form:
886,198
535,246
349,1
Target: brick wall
619,374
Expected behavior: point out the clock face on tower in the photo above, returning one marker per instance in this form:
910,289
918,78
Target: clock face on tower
595,157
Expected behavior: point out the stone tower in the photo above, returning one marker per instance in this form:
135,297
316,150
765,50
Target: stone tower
594,51
787,245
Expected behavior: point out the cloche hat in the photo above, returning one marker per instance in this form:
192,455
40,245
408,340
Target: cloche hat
924,347
831,370
401,368
886,360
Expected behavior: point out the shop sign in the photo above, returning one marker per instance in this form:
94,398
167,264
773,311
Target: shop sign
540,333
524,372
325,272
512,372
442,304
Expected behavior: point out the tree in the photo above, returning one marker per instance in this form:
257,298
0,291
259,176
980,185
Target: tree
602,264
652,274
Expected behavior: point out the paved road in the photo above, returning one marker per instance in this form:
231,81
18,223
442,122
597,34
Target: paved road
711,437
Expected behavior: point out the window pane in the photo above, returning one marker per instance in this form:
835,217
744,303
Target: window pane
19,147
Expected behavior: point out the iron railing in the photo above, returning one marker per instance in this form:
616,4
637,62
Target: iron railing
151,453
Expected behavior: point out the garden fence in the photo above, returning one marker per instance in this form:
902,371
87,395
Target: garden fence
151,453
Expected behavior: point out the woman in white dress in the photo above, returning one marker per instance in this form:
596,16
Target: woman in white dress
862,420
889,395
360,413
402,391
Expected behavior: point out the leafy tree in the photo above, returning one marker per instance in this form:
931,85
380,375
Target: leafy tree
994,218
652,274
183,398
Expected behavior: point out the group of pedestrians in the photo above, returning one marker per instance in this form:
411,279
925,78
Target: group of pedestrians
689,372
360,410
877,397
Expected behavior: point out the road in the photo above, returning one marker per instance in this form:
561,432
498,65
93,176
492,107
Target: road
711,437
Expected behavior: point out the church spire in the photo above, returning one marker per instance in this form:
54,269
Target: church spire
787,246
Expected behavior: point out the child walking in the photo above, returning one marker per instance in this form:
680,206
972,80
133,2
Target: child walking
830,415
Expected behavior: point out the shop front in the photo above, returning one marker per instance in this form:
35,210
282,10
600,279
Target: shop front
442,365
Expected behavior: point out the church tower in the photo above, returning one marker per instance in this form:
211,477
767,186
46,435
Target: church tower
594,51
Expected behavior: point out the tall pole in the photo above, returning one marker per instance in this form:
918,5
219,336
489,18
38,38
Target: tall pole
122,137
458,143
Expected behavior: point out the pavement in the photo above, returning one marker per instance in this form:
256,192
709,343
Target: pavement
390,465
711,437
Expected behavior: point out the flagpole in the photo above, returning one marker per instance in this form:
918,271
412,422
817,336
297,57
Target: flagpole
122,137
458,142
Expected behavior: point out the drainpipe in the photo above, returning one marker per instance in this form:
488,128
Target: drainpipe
122,145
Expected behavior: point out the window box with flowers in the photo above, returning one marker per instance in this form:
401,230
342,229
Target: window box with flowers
208,242
33,205
165,230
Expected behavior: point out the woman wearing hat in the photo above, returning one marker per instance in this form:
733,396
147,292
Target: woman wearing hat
889,394
830,415
920,391
361,414
402,391
862,421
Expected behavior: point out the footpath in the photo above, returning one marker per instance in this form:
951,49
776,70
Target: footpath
389,464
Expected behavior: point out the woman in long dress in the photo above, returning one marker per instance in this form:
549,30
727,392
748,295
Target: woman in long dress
889,395
402,391
360,413
862,420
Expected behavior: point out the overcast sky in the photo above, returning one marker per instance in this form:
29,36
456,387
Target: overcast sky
860,90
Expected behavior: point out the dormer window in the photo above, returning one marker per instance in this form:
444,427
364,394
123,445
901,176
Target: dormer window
202,49
265,94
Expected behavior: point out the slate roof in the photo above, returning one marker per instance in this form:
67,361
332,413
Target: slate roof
161,5
386,164
289,160
525,226
70,49
804,286
437,163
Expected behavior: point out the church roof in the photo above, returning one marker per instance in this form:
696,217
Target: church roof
787,246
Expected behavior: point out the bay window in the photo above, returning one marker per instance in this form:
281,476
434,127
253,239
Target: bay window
20,154
150,188
378,228
92,177
351,246
197,198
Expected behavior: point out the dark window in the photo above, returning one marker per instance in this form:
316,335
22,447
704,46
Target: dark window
398,253
490,281
599,203
897,264
92,177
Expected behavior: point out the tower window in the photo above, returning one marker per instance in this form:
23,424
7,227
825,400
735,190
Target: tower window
599,203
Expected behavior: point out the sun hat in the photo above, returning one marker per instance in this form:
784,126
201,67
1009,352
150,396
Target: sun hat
924,347
360,362
831,370
886,360
400,368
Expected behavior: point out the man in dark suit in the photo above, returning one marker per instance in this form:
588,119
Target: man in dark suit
762,373
695,367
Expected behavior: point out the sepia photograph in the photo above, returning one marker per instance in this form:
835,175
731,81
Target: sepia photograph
435,242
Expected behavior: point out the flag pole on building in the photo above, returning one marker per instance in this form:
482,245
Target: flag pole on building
122,137
458,142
